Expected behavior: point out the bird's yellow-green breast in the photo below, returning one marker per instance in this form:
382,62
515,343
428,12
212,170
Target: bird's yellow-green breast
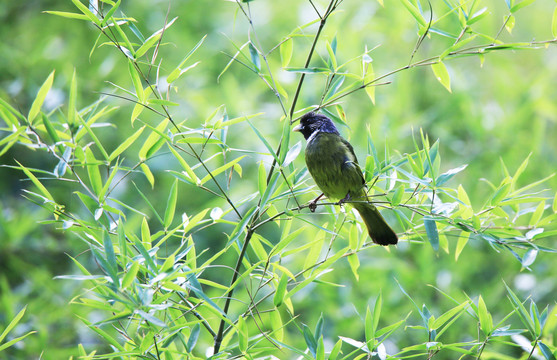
332,164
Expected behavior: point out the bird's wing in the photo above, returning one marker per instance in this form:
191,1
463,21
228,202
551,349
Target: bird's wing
353,162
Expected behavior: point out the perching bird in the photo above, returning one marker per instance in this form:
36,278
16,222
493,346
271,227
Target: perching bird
333,165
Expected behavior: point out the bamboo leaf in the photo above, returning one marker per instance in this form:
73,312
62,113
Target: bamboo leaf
171,204
486,323
68,15
286,49
39,100
154,141
442,75
554,23
432,233
72,109
280,291
126,144
221,169
415,12
93,171
254,56
520,5
35,181
87,12
130,275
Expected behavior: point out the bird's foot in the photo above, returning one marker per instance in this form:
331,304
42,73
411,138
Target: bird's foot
346,198
313,204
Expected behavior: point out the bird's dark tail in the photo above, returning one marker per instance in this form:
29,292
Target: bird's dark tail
378,229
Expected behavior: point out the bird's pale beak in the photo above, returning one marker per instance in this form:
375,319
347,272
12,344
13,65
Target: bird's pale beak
297,128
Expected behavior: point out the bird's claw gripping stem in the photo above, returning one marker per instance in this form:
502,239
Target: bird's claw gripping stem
313,204
346,198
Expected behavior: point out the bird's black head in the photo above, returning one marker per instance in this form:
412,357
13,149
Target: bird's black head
312,122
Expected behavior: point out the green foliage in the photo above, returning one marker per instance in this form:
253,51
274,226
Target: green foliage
196,236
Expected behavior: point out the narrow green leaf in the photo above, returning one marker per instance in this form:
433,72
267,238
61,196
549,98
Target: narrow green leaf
377,312
161,102
480,14
39,100
310,340
397,196
446,176
509,25
285,141
442,75
537,215
136,80
171,205
36,181
354,263
72,109
332,56
369,330
432,233
261,178
130,275
126,144
520,5
292,154
149,42
86,12
368,78
221,169
308,70
286,49
333,355
93,136
254,56
194,336
415,12
12,323
148,174
68,15
50,129
110,13
521,310
153,142
14,341
240,227
486,323
145,234
185,166
462,241
450,314
93,171
546,351
104,335
554,23
179,71
529,257
500,194
280,291
242,334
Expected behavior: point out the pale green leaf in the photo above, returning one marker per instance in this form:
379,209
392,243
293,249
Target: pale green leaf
442,75
286,49
171,204
221,169
39,100
36,181
126,144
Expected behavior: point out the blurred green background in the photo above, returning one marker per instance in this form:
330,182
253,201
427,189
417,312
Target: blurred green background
501,109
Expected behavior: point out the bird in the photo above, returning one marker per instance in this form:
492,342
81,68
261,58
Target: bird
333,165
